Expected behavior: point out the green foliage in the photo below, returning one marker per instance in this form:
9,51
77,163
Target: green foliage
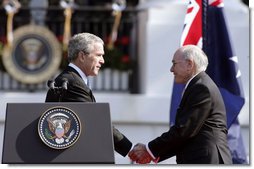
116,59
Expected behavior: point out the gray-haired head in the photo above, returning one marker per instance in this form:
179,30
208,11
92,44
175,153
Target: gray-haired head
196,54
82,42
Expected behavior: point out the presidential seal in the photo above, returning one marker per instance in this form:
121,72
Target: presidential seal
34,56
59,127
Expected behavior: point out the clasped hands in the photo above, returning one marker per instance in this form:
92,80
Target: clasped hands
140,155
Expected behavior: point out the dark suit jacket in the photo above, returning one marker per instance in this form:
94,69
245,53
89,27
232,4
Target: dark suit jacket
78,91
199,135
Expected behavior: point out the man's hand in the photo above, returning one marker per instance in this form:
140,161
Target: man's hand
139,154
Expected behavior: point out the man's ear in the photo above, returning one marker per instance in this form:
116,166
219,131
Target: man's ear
81,56
190,64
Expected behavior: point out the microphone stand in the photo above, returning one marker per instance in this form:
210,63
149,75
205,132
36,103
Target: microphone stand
62,90
59,91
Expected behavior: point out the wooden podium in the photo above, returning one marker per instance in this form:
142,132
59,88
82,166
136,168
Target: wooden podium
23,143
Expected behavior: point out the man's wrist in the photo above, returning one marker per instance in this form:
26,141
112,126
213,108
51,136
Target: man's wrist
155,160
149,151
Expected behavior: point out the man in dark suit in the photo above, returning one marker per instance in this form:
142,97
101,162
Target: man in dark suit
199,135
85,54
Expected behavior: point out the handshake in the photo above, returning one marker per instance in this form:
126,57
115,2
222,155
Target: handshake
140,155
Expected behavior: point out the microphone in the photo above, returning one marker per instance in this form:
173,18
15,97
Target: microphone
65,84
51,84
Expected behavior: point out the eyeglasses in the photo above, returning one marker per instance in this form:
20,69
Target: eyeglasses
175,62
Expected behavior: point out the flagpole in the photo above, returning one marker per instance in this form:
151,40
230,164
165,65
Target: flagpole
205,25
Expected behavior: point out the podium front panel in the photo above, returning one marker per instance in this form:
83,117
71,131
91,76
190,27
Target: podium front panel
22,143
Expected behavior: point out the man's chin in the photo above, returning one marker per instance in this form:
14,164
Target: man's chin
95,73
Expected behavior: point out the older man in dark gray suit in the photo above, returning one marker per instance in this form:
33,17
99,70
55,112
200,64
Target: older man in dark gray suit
199,135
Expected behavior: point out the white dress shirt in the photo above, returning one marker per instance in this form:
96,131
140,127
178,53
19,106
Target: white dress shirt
80,72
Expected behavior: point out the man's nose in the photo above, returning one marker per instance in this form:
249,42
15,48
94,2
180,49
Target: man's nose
102,61
171,69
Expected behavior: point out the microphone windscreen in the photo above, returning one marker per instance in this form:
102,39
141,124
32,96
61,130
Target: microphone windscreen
65,84
51,84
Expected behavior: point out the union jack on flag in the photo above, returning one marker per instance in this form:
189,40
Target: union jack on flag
192,29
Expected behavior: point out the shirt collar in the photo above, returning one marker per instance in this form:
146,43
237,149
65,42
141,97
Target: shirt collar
190,80
83,76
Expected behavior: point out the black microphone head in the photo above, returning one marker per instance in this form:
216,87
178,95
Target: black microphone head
51,84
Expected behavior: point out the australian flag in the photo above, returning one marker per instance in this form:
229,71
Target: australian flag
205,27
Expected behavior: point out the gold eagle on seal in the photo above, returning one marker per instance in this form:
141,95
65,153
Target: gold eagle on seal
59,124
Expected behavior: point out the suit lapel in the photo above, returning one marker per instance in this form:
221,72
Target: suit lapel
84,86
188,89
92,96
